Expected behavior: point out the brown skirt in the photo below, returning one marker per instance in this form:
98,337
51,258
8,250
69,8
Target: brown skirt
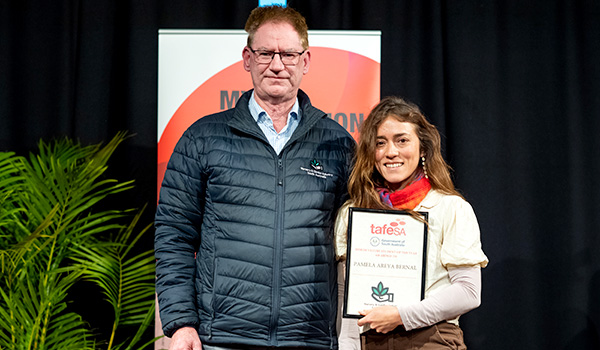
443,335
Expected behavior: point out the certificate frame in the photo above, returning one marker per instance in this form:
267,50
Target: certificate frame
386,259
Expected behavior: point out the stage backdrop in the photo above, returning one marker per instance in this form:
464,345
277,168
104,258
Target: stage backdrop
200,72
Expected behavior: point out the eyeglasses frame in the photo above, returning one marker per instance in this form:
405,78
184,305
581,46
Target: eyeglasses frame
277,53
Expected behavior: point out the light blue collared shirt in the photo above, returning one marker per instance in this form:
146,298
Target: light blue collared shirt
265,123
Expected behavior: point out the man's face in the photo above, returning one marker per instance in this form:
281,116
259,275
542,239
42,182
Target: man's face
276,82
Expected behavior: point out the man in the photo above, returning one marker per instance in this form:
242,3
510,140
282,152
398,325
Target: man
243,244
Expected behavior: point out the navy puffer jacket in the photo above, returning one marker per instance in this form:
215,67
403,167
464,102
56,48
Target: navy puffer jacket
244,237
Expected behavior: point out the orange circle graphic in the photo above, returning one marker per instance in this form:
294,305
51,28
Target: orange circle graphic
343,84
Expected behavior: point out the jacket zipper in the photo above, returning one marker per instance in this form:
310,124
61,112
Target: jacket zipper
275,297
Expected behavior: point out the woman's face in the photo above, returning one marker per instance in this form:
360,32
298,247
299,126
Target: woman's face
397,152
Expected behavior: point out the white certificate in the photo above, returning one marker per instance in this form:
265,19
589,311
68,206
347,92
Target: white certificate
386,259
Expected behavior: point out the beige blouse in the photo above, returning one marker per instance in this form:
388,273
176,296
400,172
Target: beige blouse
453,238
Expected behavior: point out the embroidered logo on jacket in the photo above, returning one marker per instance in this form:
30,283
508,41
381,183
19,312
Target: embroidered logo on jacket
316,170
316,164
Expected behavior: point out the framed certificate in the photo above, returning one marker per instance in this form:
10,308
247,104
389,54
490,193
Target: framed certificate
386,259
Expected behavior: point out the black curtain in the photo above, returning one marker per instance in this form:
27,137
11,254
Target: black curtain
514,87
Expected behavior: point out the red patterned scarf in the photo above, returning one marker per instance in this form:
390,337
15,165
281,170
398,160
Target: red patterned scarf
408,197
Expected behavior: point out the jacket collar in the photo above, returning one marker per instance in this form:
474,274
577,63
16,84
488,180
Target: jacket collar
243,121
432,199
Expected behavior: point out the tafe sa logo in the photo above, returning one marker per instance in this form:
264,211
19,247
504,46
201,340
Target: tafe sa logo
394,228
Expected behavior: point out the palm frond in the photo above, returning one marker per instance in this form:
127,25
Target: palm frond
51,237
34,309
127,282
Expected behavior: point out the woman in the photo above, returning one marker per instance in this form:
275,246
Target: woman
399,165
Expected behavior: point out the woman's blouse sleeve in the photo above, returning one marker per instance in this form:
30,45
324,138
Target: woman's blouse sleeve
341,232
461,245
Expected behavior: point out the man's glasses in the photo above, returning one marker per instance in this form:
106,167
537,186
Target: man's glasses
288,58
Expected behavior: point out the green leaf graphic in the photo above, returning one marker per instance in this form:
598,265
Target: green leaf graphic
379,290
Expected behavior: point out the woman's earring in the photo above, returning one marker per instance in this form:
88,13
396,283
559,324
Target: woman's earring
424,167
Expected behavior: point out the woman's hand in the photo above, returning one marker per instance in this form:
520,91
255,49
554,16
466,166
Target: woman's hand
382,319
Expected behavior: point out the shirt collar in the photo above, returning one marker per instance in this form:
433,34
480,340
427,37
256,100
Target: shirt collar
432,199
258,113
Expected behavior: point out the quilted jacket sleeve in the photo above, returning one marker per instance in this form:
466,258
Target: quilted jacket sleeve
178,221
343,195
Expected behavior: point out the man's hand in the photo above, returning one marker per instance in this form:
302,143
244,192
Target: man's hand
382,319
185,338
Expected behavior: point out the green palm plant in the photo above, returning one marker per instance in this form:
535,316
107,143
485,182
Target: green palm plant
52,237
